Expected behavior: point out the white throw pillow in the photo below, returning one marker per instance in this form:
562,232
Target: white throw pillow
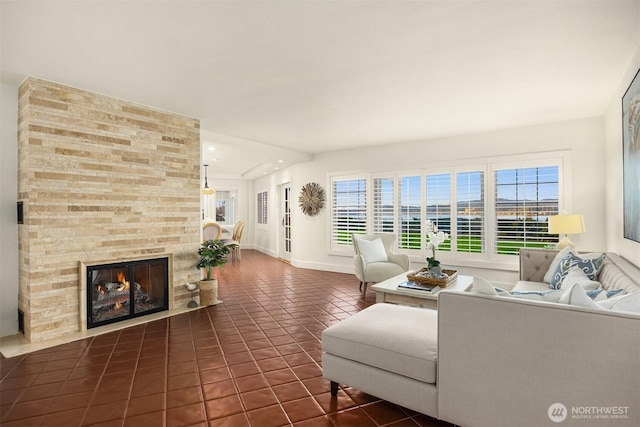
626,302
577,276
577,296
373,250
482,286
596,295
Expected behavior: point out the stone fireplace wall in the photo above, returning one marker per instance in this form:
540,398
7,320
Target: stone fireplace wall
102,180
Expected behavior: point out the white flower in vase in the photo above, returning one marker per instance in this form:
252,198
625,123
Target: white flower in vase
435,239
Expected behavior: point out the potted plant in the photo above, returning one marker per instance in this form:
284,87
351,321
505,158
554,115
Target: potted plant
435,239
213,253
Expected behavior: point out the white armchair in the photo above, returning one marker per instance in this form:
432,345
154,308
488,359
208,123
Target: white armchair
375,260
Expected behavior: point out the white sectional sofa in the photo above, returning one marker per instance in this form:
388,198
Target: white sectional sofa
485,360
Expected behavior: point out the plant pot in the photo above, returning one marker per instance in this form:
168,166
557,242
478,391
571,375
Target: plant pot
208,292
436,270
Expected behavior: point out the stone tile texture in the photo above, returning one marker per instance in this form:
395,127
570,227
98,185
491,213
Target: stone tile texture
102,180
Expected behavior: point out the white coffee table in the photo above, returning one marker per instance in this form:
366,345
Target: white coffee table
388,291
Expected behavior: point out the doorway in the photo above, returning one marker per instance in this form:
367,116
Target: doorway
284,240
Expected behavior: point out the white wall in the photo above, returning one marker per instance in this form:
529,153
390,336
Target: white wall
584,139
613,164
8,199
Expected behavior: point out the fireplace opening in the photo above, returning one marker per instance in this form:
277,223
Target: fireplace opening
124,290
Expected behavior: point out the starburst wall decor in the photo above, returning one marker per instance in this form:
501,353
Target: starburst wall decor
311,199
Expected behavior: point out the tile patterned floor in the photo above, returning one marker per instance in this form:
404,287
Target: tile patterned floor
252,361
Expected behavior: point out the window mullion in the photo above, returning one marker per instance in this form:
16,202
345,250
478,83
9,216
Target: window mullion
454,214
490,217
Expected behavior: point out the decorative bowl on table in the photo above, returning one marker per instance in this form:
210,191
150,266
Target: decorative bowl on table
427,277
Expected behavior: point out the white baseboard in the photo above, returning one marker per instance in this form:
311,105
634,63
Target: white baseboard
323,266
335,268
265,251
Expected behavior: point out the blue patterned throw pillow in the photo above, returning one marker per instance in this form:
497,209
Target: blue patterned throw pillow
591,267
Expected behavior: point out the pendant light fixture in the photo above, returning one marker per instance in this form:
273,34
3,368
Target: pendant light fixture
207,190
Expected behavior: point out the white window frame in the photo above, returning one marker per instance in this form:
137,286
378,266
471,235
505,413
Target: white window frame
467,256
232,207
262,208
563,164
431,172
341,248
487,166
399,177
394,224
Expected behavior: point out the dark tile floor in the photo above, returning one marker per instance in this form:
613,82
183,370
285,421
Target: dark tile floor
253,360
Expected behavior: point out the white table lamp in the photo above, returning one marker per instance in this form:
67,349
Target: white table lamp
566,224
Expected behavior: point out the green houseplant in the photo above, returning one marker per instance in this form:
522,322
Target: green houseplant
213,253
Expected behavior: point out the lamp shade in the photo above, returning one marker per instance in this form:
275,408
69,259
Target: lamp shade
566,224
207,190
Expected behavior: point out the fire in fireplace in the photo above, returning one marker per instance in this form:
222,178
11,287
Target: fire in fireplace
125,290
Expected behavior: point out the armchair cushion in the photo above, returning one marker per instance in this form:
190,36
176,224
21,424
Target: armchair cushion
372,250
380,271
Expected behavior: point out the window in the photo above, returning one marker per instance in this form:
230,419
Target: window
226,206
489,207
409,213
524,199
349,209
383,205
438,204
262,208
470,212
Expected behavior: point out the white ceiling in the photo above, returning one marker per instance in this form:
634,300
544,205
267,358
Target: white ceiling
277,78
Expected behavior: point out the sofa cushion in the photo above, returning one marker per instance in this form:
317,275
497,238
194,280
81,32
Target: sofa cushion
549,295
602,294
553,266
524,285
548,276
399,339
582,298
627,302
591,267
576,295
577,276
482,286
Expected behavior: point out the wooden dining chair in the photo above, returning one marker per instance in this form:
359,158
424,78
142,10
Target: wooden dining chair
211,231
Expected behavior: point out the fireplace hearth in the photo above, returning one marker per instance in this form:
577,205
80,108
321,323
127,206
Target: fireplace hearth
124,290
